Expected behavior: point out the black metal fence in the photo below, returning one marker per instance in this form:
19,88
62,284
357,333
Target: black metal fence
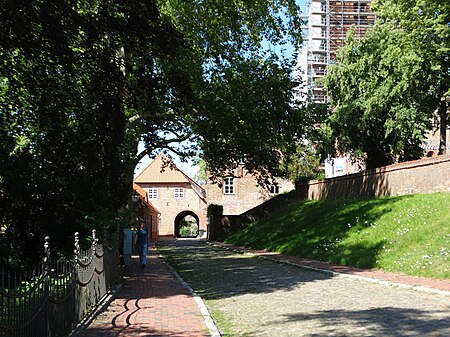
52,299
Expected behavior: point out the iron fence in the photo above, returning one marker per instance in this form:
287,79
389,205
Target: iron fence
51,299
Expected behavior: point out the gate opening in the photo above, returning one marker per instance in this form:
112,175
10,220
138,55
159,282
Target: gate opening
186,225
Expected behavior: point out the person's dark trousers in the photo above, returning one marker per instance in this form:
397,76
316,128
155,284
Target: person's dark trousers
143,255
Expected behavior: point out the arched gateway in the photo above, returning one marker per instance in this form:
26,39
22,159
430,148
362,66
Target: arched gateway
186,224
177,199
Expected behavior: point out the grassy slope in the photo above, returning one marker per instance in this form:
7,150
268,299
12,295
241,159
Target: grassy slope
408,234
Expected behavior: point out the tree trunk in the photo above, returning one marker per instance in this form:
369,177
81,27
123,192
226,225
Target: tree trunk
443,127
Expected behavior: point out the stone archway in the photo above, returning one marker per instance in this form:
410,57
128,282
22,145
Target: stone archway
186,224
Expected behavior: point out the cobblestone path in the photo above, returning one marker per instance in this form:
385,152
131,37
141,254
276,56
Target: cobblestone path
257,297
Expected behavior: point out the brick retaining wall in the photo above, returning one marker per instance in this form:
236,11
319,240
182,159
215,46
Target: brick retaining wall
420,176
222,225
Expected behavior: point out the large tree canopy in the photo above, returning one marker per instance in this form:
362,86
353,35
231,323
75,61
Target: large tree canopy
428,22
386,87
83,81
382,95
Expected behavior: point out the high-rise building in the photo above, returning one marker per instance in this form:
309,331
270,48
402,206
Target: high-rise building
327,25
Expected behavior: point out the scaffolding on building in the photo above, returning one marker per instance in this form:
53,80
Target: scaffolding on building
328,23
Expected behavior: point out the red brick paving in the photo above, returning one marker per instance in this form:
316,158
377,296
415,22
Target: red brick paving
152,302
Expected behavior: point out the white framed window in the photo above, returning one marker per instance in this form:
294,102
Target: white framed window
152,193
274,189
228,185
179,193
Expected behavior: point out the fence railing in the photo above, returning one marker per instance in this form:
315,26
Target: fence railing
55,296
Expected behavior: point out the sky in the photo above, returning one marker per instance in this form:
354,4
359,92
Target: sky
189,168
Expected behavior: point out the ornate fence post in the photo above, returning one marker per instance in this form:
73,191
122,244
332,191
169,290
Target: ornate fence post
46,254
94,241
46,282
76,251
78,297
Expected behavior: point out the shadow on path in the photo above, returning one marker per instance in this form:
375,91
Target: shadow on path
152,302
387,321
258,297
217,273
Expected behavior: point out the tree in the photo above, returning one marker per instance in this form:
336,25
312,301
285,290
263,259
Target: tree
251,117
302,160
82,82
382,93
428,23
201,175
303,164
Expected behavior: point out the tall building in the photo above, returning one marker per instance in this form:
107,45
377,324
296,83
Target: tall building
327,25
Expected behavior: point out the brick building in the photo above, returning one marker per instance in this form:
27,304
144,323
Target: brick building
143,210
431,145
239,192
174,195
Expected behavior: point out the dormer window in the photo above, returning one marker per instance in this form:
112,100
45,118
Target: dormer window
228,185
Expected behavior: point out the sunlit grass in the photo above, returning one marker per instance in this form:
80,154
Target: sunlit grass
408,234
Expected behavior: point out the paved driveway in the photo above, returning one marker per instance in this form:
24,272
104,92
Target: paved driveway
257,297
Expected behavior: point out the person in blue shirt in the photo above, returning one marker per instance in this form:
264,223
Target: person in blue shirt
142,243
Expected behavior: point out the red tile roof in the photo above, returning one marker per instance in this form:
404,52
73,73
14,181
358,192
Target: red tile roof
160,171
143,196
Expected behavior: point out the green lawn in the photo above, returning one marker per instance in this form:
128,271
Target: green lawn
408,234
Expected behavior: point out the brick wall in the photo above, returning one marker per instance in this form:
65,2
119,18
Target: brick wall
222,225
247,194
421,176
170,207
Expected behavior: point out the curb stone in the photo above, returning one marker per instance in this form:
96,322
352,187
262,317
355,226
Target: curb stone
363,278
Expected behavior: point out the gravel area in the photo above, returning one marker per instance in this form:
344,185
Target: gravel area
257,297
